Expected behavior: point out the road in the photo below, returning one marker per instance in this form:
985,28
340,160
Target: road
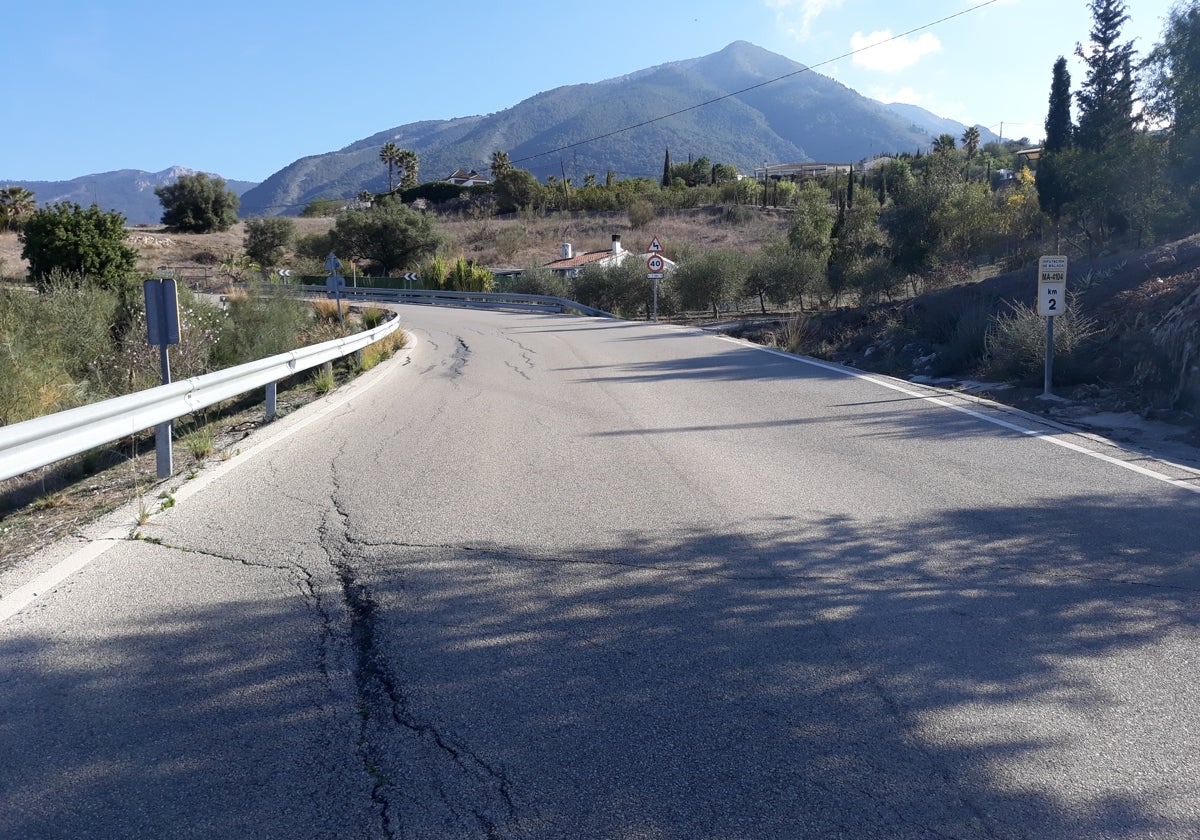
554,577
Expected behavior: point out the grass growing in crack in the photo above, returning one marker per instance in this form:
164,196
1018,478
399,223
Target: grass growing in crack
167,500
143,512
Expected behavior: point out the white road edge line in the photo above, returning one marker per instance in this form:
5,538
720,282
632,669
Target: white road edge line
23,596
1034,433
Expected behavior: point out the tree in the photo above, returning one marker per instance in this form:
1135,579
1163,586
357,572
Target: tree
781,274
1172,95
970,145
1052,188
86,244
943,144
407,161
517,189
198,204
710,280
666,176
970,141
500,164
16,203
390,156
1106,98
388,234
813,226
267,239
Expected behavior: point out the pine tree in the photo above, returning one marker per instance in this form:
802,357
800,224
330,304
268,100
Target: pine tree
1106,98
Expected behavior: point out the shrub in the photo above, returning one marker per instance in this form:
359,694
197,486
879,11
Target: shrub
641,213
967,341
372,317
326,311
1015,344
466,276
258,327
86,244
539,280
267,239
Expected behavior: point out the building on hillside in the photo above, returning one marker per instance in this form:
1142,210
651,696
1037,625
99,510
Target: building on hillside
800,171
569,264
467,179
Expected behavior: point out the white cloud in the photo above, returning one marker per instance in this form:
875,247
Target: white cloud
796,17
882,51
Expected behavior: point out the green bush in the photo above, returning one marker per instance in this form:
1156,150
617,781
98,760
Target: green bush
540,280
198,204
66,240
259,327
268,239
1015,344
641,213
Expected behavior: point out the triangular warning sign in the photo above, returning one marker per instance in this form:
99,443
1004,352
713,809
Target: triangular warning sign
655,246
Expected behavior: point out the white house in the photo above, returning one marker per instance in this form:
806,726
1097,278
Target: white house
570,264
467,179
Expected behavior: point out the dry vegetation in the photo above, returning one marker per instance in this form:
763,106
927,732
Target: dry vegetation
511,241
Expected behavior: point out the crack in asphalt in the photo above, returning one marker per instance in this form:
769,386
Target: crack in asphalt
518,371
460,358
385,711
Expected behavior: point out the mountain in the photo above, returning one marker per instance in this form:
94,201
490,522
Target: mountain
757,106
128,191
934,125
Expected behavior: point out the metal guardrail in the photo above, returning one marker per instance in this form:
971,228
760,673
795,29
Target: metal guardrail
475,300
44,440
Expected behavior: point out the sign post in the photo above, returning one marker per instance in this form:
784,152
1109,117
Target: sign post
335,283
654,268
654,271
162,328
1052,296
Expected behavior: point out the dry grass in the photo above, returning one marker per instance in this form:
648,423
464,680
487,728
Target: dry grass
681,232
512,241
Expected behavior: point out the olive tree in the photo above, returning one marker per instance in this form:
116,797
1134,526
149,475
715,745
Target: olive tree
268,239
388,234
198,204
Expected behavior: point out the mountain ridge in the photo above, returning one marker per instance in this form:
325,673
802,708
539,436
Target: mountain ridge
128,191
741,105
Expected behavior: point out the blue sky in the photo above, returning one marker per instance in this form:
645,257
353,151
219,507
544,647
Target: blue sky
245,88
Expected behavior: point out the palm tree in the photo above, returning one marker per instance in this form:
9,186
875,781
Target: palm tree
944,144
500,163
970,144
407,160
15,204
390,155
970,141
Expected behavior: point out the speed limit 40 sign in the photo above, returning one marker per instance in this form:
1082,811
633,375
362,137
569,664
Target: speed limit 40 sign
1052,285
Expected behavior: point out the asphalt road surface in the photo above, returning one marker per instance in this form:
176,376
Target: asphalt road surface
554,577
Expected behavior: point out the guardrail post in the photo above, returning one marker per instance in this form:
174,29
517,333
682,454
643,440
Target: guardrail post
272,387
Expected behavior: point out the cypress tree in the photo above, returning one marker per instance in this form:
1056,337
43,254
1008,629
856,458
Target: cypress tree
1106,98
666,179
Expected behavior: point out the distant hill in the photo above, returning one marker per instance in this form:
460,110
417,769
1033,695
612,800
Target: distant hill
128,191
934,125
803,117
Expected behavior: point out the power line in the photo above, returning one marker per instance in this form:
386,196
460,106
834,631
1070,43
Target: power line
806,69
